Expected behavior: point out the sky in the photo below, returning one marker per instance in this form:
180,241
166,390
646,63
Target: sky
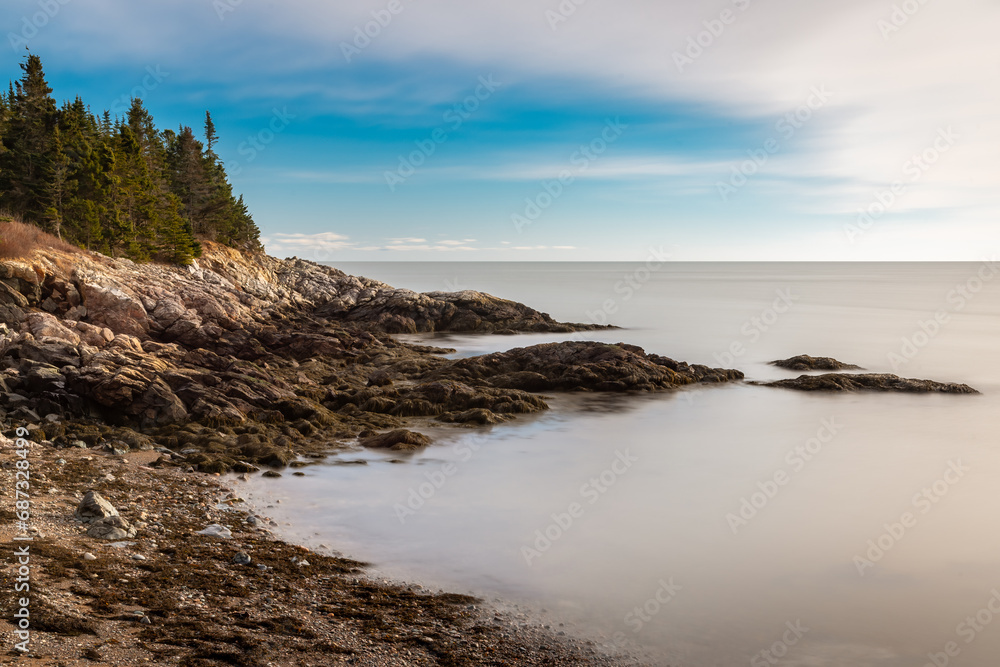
566,130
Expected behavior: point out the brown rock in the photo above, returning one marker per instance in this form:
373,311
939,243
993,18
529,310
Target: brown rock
804,362
398,440
868,382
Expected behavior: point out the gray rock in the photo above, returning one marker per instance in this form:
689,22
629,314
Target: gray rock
94,507
241,558
216,530
111,528
89,556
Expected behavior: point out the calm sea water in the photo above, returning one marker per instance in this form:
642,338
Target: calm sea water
715,523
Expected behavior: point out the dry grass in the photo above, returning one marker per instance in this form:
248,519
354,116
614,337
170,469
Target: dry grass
18,239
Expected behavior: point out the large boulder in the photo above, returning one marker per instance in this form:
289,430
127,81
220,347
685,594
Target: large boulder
45,325
115,309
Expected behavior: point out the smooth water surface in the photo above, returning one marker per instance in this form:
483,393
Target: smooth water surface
871,523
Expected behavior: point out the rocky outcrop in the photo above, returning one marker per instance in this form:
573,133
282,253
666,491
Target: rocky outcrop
804,362
581,366
402,311
868,382
240,361
226,291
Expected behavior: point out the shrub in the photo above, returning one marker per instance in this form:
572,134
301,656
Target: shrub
18,239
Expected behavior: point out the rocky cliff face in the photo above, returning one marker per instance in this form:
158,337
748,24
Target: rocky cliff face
248,358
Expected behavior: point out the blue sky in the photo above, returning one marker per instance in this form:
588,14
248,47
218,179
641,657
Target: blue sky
566,129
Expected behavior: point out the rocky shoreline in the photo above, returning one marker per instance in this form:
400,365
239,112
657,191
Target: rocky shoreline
146,383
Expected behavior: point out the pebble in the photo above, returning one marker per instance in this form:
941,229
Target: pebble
216,530
241,558
89,556
138,557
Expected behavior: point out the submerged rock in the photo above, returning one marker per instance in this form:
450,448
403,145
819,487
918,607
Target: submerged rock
398,440
868,382
804,362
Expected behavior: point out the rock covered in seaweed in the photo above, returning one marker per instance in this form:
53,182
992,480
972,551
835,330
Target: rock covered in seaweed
582,366
398,440
804,362
884,382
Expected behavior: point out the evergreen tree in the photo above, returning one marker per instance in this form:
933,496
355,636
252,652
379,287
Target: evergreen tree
210,136
27,166
117,186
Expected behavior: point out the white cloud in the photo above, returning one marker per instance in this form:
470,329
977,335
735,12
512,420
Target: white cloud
891,91
322,238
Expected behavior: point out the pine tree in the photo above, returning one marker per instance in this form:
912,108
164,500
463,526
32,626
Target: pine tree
118,186
27,163
57,187
210,135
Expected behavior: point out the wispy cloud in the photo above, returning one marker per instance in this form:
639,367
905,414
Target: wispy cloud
891,92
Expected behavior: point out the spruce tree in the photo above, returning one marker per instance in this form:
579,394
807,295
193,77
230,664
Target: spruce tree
118,186
26,168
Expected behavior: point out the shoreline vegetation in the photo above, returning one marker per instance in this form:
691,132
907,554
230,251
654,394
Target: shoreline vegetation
114,185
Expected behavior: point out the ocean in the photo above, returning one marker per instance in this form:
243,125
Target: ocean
716,525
